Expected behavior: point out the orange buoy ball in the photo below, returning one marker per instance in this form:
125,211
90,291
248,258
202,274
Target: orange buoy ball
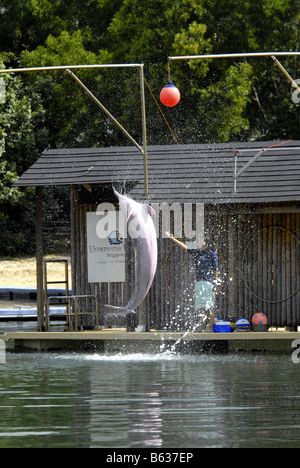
259,319
170,95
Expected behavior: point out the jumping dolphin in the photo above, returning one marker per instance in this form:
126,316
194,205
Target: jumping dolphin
141,229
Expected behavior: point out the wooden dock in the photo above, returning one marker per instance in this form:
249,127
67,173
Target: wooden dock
120,341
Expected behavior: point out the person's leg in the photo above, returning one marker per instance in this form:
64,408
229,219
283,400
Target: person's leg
211,319
202,319
203,304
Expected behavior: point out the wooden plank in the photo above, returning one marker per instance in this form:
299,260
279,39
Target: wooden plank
297,270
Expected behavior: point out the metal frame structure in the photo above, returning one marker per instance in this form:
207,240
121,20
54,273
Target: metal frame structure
68,68
235,55
245,55
68,314
244,168
39,193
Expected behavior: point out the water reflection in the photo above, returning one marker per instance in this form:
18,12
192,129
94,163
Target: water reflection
91,400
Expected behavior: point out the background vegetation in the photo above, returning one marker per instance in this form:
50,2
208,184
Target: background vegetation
222,100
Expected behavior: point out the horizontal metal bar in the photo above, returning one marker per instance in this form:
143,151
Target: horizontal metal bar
222,56
286,148
72,67
84,296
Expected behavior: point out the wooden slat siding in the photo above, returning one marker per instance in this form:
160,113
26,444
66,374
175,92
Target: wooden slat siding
288,273
293,269
231,232
279,250
275,317
297,263
269,252
274,249
280,271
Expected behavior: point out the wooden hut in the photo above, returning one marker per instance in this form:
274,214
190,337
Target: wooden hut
251,194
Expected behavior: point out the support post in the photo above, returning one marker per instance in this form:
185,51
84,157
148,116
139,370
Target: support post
39,258
244,168
144,130
286,74
232,268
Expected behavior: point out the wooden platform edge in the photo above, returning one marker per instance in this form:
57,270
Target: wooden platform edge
112,340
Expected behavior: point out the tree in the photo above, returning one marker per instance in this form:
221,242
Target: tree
222,100
22,138
70,112
150,31
121,31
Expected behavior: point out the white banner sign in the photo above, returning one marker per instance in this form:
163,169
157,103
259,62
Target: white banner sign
105,247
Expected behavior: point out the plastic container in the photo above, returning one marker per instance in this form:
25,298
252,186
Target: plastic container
260,322
221,326
242,325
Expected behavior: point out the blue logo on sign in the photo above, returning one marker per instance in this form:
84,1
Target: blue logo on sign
115,238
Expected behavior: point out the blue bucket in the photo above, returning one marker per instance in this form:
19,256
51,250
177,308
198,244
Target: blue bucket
220,326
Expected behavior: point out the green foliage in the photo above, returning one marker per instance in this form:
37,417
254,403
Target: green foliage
70,113
22,138
221,99
226,101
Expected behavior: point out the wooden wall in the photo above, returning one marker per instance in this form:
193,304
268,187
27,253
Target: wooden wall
259,262
258,250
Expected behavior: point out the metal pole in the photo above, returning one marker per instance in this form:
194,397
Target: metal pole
105,110
249,163
249,54
71,67
144,130
223,56
294,84
39,258
235,171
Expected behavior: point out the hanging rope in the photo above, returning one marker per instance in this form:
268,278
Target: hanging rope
167,123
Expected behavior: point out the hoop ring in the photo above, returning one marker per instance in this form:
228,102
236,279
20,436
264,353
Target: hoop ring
243,268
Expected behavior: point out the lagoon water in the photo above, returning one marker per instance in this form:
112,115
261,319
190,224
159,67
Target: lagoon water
149,401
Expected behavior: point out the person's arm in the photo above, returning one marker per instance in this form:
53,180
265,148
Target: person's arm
176,241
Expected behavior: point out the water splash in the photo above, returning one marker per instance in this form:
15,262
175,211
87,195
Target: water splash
199,326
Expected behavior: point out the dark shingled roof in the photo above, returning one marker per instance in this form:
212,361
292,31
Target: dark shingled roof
183,173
